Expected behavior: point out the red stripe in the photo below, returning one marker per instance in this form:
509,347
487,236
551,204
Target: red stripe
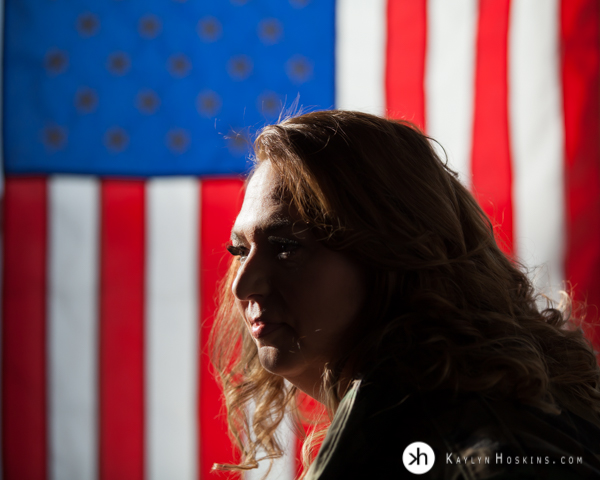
580,69
405,60
122,331
24,430
221,202
491,160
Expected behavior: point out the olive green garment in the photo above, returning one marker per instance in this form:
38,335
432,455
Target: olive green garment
377,421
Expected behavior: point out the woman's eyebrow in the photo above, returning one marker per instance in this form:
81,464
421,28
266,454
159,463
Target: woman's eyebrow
270,226
276,223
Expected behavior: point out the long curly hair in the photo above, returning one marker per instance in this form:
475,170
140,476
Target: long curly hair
447,308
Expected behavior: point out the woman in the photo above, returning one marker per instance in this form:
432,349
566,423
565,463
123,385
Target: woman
368,277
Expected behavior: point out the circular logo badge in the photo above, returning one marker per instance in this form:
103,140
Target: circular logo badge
418,458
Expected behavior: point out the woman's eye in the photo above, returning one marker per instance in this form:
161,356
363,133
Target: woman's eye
237,251
286,251
285,247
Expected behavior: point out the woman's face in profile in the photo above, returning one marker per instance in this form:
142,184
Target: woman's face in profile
297,297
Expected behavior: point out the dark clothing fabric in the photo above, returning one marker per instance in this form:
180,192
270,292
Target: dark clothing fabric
376,421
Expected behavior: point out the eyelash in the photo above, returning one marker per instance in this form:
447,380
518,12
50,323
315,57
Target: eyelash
236,251
287,248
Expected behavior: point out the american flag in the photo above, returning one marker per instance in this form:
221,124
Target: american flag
126,127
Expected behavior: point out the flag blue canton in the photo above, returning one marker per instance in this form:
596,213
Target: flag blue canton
143,88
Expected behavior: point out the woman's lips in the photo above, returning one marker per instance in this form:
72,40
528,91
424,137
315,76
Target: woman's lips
262,329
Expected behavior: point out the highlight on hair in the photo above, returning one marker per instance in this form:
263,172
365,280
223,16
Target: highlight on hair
448,309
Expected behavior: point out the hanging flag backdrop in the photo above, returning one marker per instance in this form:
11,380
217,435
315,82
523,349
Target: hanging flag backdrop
126,130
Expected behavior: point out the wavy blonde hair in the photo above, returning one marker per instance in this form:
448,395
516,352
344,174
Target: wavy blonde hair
447,308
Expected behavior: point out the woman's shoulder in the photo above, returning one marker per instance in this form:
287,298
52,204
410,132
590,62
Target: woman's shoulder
470,436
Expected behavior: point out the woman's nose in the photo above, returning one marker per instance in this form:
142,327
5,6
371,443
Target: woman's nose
252,279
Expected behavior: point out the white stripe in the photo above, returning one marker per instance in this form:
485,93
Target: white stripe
73,327
537,138
284,468
360,50
172,328
450,78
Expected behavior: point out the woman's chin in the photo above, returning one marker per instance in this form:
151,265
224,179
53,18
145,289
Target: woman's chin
271,359
293,367
286,364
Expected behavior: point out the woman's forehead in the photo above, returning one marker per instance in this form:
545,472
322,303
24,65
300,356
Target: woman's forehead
263,207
